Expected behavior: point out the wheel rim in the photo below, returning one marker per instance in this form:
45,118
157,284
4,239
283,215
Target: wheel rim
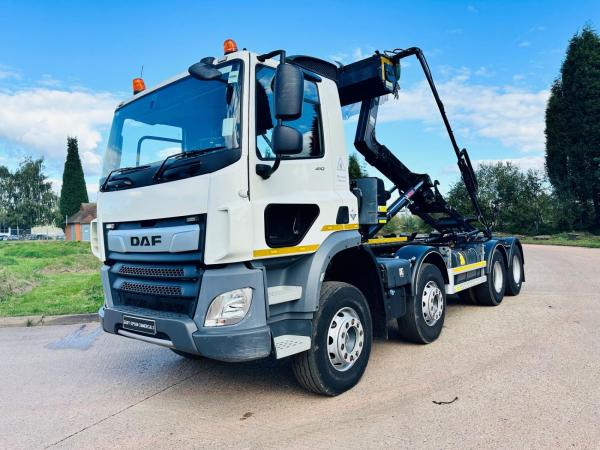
345,339
516,269
498,277
432,303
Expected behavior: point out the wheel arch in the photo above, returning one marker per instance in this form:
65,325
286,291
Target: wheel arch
335,243
489,248
419,255
357,266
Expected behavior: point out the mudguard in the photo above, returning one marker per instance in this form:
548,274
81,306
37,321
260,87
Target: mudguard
417,255
511,243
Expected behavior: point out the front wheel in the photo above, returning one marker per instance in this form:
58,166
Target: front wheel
341,341
426,310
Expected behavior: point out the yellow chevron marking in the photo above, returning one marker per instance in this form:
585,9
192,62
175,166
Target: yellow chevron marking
387,240
340,227
468,267
285,250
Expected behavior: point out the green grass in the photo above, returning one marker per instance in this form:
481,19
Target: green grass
52,278
48,278
582,240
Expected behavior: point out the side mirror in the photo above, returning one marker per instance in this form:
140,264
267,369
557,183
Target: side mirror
286,140
203,71
289,92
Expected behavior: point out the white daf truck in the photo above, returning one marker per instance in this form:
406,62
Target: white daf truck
229,228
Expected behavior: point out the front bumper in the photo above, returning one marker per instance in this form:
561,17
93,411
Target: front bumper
248,340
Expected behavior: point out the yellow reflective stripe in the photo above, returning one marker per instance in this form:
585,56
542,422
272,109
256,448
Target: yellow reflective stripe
382,208
382,221
285,250
468,267
340,227
387,240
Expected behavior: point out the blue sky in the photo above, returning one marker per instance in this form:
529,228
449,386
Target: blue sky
65,65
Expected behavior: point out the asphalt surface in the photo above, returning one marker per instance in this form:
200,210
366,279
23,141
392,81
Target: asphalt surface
525,374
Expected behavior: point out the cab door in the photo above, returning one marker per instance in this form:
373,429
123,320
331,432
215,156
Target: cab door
294,206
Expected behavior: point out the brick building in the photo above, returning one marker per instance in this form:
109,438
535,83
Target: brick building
78,225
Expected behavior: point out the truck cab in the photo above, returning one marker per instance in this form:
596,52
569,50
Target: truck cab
228,226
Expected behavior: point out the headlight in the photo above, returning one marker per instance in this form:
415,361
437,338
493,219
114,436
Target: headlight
229,308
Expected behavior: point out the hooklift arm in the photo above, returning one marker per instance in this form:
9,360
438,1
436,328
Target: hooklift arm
366,81
427,201
464,162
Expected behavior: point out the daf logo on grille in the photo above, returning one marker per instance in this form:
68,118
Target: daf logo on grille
145,241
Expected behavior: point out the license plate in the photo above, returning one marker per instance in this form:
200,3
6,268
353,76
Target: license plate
147,326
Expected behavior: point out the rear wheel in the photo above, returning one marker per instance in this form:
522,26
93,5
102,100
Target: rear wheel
492,291
426,310
515,273
341,341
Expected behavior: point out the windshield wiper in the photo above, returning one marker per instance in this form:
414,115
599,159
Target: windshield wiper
121,171
182,156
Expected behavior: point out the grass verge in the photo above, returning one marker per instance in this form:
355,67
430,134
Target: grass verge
49,278
566,239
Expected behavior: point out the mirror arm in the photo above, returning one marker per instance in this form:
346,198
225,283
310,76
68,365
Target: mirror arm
265,171
264,57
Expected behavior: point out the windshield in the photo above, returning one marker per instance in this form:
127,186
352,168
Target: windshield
187,115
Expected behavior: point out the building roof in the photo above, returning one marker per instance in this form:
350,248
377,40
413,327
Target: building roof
86,213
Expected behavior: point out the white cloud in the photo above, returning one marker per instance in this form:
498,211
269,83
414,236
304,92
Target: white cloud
41,119
56,184
524,44
49,81
347,58
485,72
513,116
8,73
525,163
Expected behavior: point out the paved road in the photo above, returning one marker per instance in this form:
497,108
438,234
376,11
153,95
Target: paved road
526,374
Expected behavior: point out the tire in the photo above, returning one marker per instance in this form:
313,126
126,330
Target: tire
515,273
342,320
492,291
426,310
467,297
186,354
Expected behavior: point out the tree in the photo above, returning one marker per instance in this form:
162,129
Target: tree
355,169
573,129
26,197
73,192
512,200
5,195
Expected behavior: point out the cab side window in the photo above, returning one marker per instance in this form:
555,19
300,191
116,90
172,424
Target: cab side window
309,124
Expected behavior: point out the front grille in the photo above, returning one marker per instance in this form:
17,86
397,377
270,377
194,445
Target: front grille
178,305
154,272
160,281
151,289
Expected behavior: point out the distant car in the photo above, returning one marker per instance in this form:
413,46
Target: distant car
13,237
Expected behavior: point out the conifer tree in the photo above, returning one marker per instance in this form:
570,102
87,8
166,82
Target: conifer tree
573,128
73,192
